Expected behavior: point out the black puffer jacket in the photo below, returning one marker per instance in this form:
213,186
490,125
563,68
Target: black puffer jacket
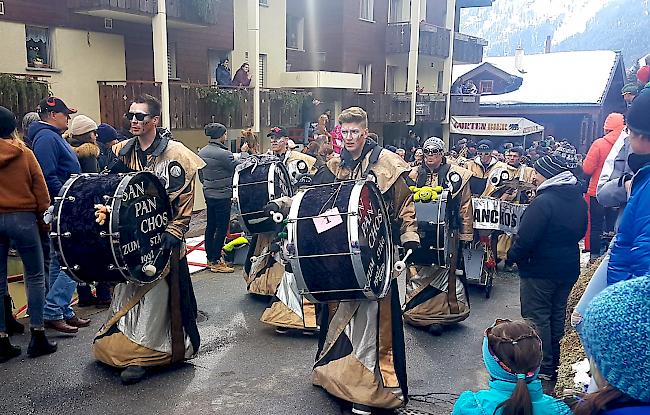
217,175
546,245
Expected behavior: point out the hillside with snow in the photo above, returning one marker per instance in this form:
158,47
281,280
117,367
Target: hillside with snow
573,25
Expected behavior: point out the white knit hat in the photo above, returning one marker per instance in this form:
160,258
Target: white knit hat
82,125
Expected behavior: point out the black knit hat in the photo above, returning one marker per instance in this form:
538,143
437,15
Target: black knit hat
485,146
215,130
550,166
638,117
7,122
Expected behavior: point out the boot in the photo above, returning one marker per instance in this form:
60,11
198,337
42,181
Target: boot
7,350
13,326
133,374
39,345
221,267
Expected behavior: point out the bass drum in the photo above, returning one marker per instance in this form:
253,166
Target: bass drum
432,228
127,246
339,242
254,186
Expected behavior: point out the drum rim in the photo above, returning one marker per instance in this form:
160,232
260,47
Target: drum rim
292,230
353,231
58,207
114,223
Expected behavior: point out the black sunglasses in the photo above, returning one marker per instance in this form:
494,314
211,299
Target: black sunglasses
140,116
431,152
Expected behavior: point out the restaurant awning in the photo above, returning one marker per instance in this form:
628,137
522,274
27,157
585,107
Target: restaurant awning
494,126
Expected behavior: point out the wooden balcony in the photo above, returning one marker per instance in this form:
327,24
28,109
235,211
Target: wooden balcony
431,107
434,40
468,49
179,12
192,106
395,107
465,104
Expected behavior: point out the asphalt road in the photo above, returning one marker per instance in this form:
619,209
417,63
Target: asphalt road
243,367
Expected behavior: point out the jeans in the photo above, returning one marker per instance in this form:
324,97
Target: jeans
57,304
215,231
597,216
22,229
544,303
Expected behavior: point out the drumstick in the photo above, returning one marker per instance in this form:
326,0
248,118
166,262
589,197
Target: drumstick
401,265
150,269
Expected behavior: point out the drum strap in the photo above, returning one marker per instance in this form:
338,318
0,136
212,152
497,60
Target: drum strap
178,336
372,160
452,299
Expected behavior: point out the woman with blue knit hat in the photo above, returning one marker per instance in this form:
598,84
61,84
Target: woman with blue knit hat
547,253
616,334
512,353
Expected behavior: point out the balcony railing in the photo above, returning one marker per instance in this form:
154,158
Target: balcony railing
176,9
468,49
190,109
434,40
462,104
396,107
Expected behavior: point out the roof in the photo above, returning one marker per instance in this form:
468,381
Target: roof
560,78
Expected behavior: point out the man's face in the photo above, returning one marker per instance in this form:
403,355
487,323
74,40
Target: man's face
471,150
279,145
513,158
141,121
354,137
401,153
59,120
628,97
418,155
639,144
486,157
432,157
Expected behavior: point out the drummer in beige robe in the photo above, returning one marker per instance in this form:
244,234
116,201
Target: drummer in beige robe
435,296
143,328
264,274
361,354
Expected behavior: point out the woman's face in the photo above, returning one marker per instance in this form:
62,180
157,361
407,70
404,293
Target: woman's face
246,68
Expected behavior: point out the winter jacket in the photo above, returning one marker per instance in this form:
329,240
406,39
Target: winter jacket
241,78
22,185
611,192
485,402
546,245
218,172
599,150
223,76
56,157
87,154
630,253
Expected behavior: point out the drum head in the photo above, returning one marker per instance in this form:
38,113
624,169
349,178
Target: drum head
374,238
432,231
141,212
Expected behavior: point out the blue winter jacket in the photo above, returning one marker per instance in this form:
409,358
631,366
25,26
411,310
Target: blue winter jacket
485,402
56,157
630,253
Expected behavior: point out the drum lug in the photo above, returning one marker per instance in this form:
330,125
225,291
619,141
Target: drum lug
53,235
104,234
69,198
107,198
72,268
112,267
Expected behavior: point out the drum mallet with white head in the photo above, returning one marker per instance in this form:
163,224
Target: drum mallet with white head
401,265
150,269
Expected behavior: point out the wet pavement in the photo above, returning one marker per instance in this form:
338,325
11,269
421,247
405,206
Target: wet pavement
243,366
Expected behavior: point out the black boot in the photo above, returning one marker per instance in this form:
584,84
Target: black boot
39,345
7,350
13,326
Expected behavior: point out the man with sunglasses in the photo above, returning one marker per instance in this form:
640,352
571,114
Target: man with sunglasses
482,166
131,339
435,296
369,367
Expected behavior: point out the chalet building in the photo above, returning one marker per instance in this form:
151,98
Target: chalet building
568,93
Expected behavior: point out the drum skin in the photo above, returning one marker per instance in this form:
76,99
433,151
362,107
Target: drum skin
330,276
432,231
140,212
252,186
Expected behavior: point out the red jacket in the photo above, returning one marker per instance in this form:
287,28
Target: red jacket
599,150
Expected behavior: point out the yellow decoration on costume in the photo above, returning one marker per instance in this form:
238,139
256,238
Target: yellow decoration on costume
235,243
426,194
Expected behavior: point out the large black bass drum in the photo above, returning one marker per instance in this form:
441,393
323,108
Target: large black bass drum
432,228
256,183
127,246
339,242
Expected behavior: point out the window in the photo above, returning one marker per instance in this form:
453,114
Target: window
37,42
264,3
391,78
366,73
262,69
396,9
171,61
295,32
367,10
486,87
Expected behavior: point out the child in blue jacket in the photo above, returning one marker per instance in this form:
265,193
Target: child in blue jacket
512,354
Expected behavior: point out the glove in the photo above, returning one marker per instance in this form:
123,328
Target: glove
412,245
271,207
169,241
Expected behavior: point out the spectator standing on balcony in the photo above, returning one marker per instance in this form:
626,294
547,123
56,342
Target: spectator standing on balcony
223,75
243,76
469,88
23,200
308,115
58,162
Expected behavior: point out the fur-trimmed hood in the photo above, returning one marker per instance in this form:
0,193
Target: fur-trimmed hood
86,150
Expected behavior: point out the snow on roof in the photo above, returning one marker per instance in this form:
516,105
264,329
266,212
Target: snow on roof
553,78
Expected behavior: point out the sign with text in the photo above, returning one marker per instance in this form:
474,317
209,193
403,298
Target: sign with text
497,215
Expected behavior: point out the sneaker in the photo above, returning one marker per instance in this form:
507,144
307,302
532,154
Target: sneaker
221,267
359,409
133,374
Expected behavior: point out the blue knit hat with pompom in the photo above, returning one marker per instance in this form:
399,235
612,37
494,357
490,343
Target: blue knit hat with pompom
616,333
